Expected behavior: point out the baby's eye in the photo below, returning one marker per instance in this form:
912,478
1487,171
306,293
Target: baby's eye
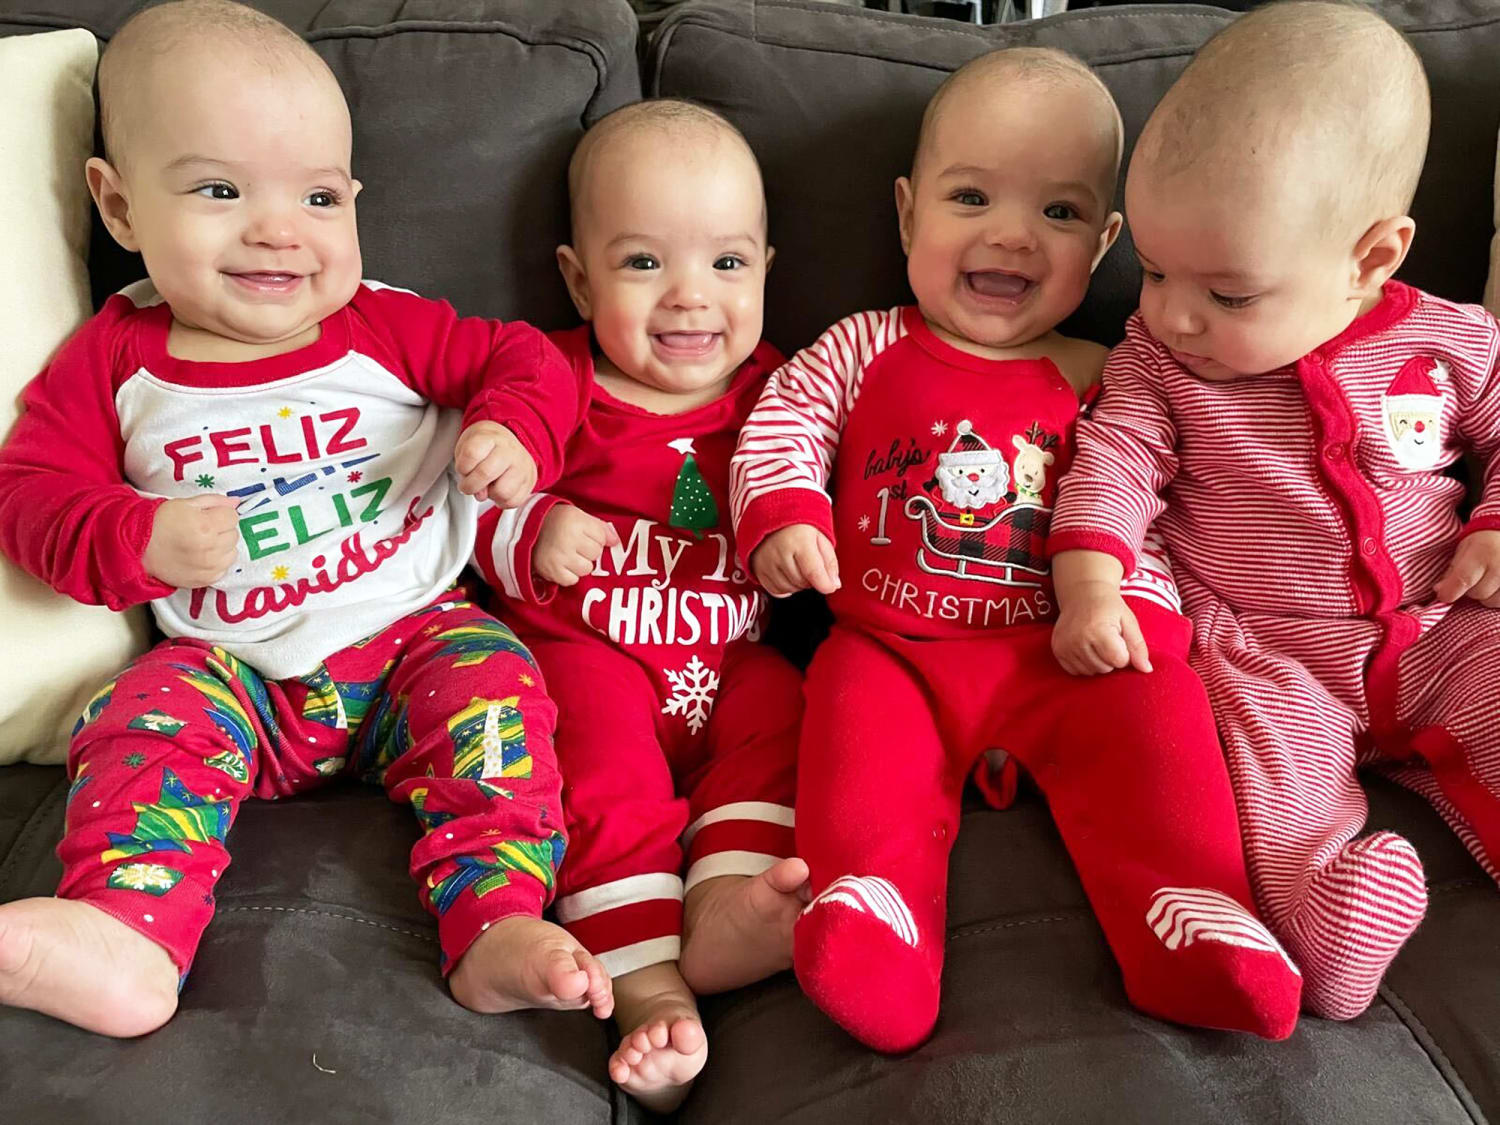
1226,302
968,197
217,190
1061,212
1152,276
323,198
729,262
641,262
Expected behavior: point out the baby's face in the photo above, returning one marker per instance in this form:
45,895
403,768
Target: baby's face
1006,216
1231,282
672,245
240,198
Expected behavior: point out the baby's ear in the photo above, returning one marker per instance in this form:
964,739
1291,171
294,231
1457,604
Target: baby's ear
1380,251
1107,236
770,257
576,279
107,187
905,204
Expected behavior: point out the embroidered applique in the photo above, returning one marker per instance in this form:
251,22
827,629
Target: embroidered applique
1412,412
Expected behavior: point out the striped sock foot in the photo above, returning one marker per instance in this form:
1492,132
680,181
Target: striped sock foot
1354,917
860,957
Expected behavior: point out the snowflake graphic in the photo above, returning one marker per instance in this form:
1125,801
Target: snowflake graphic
864,523
135,761
279,574
284,412
205,481
150,877
693,691
526,681
355,477
939,429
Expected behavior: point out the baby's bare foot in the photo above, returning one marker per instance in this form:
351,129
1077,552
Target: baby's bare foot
738,930
73,961
662,1045
524,962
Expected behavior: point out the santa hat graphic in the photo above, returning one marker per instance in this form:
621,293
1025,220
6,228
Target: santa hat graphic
968,448
1413,387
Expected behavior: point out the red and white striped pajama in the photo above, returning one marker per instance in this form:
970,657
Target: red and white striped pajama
1309,517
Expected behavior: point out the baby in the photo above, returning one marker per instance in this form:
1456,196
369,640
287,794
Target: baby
194,445
941,430
1288,411
675,730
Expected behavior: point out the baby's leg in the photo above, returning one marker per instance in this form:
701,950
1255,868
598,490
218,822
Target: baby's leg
742,893
1132,770
1342,906
160,762
620,891
877,808
465,725
1450,699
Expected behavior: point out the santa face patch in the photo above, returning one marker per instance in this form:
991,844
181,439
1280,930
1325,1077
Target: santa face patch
1412,410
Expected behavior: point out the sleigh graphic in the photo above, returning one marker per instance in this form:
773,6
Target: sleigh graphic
1006,550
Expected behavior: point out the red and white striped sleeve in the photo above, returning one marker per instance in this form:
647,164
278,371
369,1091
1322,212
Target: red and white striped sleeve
779,474
1479,423
1126,456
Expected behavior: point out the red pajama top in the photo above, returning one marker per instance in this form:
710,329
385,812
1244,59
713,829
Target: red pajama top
1313,491
942,468
339,454
673,593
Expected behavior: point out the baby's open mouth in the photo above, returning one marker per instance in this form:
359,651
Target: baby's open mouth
998,283
686,343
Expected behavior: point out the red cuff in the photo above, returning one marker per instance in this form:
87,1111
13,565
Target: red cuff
136,586
511,559
1480,523
769,513
485,408
1100,541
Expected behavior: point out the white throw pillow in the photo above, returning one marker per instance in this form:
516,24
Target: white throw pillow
54,653
1492,290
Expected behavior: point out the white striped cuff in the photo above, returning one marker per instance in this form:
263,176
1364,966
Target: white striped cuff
728,863
629,958
741,810
622,892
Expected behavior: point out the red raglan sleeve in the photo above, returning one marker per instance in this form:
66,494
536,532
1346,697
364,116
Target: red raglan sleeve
1125,458
67,514
508,372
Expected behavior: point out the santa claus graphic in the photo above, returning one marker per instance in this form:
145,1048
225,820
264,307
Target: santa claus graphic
971,475
1413,409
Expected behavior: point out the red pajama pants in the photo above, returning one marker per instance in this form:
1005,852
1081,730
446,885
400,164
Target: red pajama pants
445,708
1131,767
641,788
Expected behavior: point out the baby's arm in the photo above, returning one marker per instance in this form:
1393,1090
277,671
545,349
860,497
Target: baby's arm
1106,502
783,519
1475,570
521,399
67,514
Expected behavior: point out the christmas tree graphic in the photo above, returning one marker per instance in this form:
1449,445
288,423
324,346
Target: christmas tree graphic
693,504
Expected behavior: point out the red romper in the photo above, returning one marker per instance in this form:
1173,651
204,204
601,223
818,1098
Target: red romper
676,729
1309,518
941,503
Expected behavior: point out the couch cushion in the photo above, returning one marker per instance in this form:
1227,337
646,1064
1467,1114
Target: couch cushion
320,959
830,98
465,115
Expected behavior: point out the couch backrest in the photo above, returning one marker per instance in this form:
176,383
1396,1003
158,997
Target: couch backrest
830,98
465,114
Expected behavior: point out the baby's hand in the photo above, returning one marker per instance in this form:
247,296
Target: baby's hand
193,541
492,461
1474,571
1096,633
569,544
795,558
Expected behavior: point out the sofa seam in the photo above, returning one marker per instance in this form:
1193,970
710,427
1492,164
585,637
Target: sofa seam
1434,1051
23,844
427,938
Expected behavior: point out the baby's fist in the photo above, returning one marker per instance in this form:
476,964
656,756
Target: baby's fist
1474,572
492,461
193,542
795,558
1096,633
569,544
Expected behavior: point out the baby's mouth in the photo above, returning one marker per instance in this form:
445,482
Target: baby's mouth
998,283
685,343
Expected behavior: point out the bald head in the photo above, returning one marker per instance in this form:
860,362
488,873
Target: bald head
1040,68
677,126
1323,99
171,36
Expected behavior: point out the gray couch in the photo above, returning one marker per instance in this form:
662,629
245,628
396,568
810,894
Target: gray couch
316,997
